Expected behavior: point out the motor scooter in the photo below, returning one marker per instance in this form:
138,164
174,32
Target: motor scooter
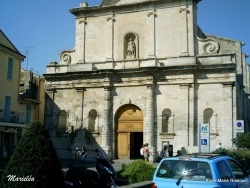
80,176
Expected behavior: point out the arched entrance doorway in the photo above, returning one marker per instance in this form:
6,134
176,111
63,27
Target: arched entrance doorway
129,137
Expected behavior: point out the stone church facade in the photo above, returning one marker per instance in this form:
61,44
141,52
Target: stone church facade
143,71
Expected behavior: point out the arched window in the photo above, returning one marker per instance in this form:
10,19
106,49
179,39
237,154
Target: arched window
131,46
167,122
92,124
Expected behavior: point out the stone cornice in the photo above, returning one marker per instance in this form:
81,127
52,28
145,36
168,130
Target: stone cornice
102,10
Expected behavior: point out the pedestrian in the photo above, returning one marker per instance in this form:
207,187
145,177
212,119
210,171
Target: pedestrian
178,153
146,152
164,151
163,154
141,151
218,147
77,156
83,155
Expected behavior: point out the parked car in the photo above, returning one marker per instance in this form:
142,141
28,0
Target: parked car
200,170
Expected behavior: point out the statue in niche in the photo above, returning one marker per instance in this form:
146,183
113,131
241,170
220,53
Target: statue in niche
131,49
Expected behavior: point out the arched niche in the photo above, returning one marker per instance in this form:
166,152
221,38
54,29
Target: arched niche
92,120
62,121
167,122
131,46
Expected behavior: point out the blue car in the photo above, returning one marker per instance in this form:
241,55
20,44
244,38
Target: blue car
200,171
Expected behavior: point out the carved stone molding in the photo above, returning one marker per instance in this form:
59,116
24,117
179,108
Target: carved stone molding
184,9
153,13
210,46
167,135
83,21
110,18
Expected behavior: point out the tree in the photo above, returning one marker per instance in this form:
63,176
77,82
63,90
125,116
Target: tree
242,141
34,162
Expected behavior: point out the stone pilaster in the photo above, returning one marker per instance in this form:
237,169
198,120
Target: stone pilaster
49,112
81,40
149,124
184,117
151,34
106,117
110,38
228,128
81,91
106,130
191,110
184,17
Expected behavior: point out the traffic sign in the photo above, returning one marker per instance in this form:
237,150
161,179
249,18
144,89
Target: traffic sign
203,141
204,138
239,126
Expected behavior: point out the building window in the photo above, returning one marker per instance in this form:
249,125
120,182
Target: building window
28,114
7,105
10,69
167,121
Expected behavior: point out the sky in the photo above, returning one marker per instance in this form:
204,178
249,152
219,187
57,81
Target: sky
40,30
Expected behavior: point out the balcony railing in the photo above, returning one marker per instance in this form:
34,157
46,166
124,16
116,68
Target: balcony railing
14,118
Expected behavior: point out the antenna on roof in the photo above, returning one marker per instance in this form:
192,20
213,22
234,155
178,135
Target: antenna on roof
27,55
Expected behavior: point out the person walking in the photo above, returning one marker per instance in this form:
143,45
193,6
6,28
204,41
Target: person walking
164,152
83,155
77,155
141,151
146,152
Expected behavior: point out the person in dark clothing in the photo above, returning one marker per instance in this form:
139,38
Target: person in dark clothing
83,155
178,153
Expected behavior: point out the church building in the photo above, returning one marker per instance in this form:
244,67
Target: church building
142,71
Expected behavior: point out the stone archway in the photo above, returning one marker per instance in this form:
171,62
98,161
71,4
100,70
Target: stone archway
129,137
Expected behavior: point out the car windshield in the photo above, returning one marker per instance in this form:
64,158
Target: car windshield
185,169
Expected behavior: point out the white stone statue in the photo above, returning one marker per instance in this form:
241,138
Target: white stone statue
131,49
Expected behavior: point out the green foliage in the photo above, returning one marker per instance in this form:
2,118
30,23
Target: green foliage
34,159
138,171
242,141
242,156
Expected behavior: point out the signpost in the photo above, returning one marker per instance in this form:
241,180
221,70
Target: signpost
204,138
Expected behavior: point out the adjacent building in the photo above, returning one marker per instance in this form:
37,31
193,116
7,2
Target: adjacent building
21,97
143,71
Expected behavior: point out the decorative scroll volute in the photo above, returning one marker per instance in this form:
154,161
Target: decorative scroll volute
209,46
65,57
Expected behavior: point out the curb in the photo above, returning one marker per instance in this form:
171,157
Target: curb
144,184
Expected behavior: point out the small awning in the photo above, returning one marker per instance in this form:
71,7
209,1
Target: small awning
11,130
